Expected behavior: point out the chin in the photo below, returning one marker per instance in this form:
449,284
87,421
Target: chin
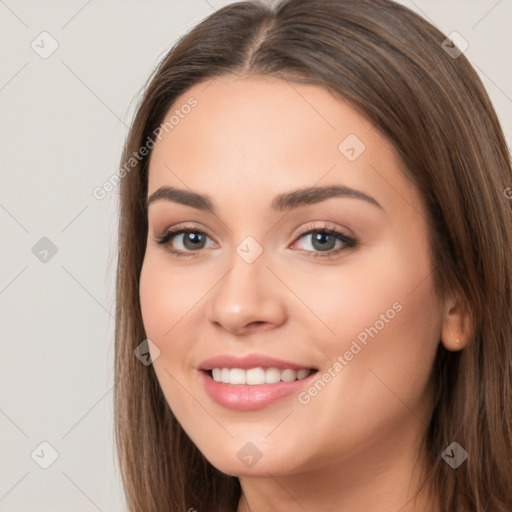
248,461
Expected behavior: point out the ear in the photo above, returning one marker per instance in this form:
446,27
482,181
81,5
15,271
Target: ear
456,327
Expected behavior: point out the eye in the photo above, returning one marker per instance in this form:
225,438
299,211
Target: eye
322,242
190,239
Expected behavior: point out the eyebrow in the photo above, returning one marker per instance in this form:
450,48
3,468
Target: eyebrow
283,202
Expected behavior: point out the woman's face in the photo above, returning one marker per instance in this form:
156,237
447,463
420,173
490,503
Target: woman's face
305,274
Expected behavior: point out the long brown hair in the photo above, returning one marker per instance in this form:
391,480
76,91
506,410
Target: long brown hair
390,65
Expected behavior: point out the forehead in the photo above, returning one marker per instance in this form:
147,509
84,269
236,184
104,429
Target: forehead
265,131
258,117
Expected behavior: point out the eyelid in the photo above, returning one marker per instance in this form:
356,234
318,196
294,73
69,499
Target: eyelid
322,225
185,226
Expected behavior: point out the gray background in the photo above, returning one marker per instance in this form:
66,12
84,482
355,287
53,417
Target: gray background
63,123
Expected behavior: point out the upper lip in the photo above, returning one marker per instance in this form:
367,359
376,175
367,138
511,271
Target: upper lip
249,361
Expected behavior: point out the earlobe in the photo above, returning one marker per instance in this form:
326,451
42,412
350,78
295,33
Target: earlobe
455,331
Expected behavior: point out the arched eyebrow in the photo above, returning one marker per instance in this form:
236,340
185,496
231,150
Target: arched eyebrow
283,202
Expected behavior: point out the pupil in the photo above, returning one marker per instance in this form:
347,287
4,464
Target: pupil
193,238
321,239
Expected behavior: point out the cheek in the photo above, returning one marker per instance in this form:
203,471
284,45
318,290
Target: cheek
156,312
166,295
172,302
387,323
365,292
383,319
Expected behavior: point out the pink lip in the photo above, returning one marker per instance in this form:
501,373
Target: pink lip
243,396
249,361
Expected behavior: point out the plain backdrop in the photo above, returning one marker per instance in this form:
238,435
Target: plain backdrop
63,121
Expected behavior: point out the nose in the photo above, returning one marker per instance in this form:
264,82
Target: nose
247,299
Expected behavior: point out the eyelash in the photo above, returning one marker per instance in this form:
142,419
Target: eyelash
349,242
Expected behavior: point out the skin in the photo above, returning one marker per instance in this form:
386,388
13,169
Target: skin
356,444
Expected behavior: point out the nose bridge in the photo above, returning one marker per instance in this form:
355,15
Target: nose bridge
245,294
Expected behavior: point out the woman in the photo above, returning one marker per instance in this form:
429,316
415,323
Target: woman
315,255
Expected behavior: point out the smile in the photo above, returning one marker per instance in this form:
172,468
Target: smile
253,381
257,376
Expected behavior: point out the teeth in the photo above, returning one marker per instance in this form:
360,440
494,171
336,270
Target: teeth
257,376
302,374
272,376
237,376
224,375
288,375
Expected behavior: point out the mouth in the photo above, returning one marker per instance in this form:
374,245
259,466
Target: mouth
258,376
252,382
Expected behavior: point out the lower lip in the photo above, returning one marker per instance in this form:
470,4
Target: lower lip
245,397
